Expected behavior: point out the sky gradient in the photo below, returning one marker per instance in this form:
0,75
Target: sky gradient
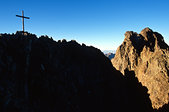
100,23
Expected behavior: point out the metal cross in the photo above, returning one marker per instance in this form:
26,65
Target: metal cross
22,19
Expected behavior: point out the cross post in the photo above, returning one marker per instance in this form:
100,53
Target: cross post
23,17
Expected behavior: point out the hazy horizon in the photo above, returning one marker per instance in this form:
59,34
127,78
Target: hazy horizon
100,23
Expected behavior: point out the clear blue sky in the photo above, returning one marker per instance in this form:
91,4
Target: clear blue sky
100,23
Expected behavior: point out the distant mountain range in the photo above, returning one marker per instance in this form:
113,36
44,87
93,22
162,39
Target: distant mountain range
110,55
109,51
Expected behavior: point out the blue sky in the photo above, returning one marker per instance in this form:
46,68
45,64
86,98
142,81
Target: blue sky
100,23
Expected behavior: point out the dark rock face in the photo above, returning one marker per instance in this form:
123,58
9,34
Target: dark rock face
136,92
42,75
110,55
147,55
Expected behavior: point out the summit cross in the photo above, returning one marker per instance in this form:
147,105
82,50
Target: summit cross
23,17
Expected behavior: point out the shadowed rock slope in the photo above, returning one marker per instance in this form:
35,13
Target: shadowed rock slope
148,56
42,75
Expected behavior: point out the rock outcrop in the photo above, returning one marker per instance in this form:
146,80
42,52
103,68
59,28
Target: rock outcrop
148,56
42,75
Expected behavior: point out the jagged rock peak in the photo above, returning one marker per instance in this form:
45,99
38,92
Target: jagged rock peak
147,34
129,35
151,36
147,37
147,29
147,55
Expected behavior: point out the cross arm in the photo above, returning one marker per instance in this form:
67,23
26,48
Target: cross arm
22,16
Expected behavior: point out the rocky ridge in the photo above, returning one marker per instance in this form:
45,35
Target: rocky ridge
42,75
147,55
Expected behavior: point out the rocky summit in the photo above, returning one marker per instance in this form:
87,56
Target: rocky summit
147,55
42,75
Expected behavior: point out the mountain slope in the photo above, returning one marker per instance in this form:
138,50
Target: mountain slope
42,75
148,56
